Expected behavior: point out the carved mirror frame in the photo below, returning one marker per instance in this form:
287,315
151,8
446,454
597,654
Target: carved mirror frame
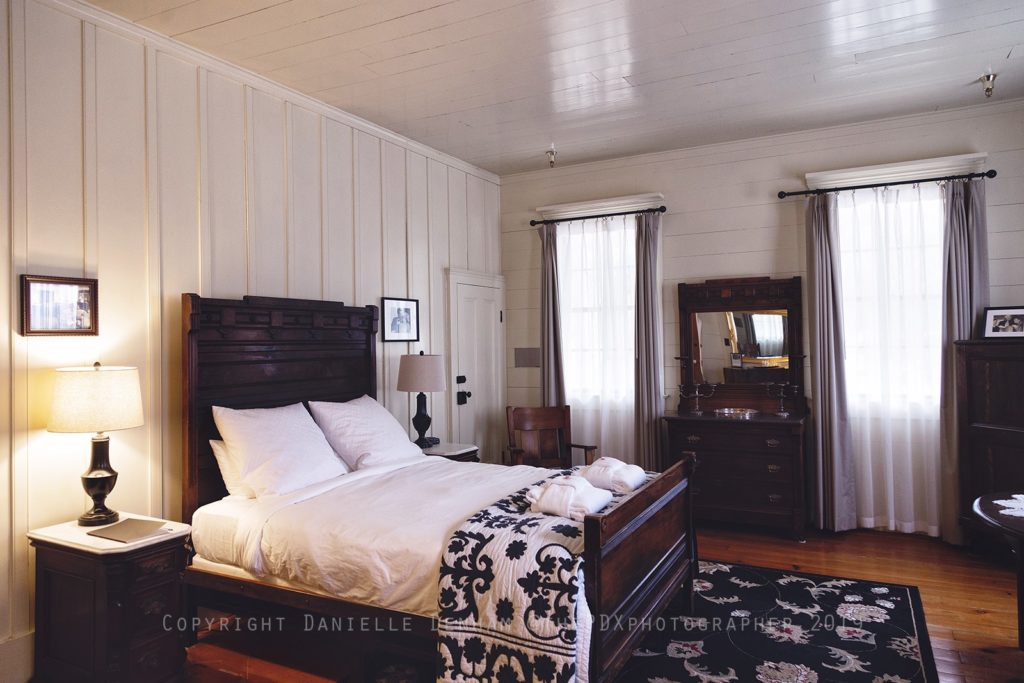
743,294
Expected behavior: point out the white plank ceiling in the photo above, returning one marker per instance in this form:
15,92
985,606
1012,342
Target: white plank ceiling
495,82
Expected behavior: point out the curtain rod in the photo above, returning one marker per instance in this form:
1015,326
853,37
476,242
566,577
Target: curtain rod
660,209
966,176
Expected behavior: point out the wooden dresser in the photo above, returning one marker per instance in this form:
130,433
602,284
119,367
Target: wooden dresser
990,401
748,471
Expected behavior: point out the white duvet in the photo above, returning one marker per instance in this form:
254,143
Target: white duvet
373,536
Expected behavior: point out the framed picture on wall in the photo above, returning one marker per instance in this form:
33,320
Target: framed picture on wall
1004,322
399,319
59,306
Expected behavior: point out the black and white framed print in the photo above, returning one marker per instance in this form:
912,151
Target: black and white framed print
1004,322
400,319
59,305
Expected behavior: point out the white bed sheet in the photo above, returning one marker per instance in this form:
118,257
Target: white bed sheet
214,527
373,536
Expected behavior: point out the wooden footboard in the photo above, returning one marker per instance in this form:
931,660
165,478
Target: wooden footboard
637,556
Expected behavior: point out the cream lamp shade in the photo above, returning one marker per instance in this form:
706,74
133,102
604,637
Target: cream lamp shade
96,399
421,373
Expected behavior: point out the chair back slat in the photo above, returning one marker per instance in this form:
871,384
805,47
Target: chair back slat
543,434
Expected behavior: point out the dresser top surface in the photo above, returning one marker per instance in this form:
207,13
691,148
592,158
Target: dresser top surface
761,418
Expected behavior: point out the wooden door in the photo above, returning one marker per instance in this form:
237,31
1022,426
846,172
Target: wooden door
478,359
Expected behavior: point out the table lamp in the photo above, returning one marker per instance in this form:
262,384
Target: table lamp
422,373
97,399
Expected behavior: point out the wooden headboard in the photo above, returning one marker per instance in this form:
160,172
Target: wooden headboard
262,352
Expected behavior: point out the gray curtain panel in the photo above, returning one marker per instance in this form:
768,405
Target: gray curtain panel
835,483
552,376
649,389
964,297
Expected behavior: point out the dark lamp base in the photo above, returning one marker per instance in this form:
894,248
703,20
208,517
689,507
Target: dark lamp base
96,517
421,423
98,482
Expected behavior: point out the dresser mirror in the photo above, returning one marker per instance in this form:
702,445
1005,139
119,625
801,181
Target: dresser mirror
743,347
741,334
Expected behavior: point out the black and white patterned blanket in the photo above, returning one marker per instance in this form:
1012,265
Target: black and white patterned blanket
511,589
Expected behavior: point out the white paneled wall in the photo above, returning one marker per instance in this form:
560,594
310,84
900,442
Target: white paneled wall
724,219
160,170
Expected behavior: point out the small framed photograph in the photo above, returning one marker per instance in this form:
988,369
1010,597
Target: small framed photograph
1004,322
59,306
400,319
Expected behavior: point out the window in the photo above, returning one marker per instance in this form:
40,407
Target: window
597,311
890,243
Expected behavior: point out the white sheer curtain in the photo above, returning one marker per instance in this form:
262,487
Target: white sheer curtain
890,241
770,332
597,308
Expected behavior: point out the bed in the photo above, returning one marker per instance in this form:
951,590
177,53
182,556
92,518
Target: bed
261,352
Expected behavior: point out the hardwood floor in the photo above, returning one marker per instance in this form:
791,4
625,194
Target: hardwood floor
969,604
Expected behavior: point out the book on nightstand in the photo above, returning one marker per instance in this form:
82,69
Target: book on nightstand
129,530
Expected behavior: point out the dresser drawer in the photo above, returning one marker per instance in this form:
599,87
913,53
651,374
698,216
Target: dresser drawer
157,660
762,468
743,495
148,609
155,567
683,437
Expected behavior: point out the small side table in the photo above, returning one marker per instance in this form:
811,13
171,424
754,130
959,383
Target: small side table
1012,528
108,611
460,452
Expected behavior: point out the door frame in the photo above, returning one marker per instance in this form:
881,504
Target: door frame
461,276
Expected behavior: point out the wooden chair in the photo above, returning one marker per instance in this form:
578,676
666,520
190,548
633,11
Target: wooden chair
545,437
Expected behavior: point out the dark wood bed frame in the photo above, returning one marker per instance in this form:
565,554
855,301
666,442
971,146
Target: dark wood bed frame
261,352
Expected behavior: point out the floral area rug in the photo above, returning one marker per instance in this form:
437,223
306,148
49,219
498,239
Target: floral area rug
757,624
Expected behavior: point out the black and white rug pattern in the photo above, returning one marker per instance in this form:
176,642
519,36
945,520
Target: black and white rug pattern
776,626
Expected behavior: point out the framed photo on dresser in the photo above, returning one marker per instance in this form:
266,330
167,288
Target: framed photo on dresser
1004,322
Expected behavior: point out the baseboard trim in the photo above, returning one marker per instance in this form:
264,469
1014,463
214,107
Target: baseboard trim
16,654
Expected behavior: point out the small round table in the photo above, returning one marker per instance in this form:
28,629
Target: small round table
1012,527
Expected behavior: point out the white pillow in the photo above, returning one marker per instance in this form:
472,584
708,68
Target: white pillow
230,470
363,432
278,450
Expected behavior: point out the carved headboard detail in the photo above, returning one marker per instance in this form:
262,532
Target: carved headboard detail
263,352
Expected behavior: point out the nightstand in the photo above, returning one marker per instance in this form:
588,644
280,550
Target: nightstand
108,611
460,452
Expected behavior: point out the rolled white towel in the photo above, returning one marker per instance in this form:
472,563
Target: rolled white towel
573,497
614,475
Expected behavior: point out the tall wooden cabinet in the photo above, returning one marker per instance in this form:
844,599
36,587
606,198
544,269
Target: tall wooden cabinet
990,401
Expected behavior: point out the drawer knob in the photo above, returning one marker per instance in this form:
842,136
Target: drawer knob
154,606
774,498
150,661
158,566
772,443
693,438
773,468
